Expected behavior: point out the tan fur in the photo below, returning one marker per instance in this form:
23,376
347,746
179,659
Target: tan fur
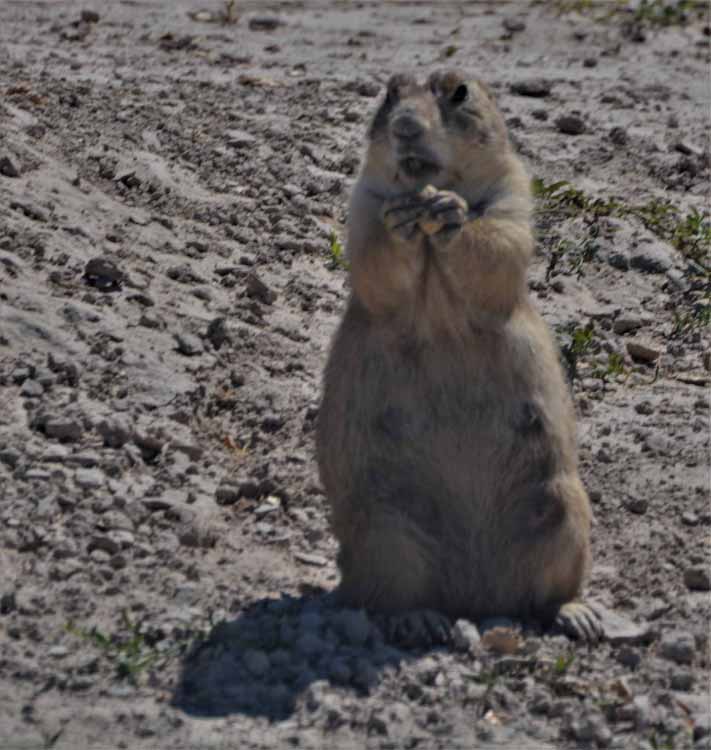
446,441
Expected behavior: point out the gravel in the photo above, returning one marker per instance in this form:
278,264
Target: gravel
169,188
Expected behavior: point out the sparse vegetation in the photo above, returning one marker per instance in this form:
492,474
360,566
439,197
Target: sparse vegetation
563,662
575,254
653,13
133,650
689,233
578,343
337,252
698,316
614,368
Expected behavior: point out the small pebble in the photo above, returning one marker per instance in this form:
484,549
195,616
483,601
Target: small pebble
536,87
570,124
697,578
7,167
678,646
188,344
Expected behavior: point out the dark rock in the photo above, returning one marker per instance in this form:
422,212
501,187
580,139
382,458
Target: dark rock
89,16
265,23
678,646
257,289
104,543
570,124
31,389
682,681
590,62
217,333
640,352
184,274
10,457
114,432
619,260
625,324
227,494
103,274
514,25
697,578
7,167
628,657
618,136
152,321
637,505
537,87
8,603
64,429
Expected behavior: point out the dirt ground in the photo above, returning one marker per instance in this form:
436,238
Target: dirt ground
173,187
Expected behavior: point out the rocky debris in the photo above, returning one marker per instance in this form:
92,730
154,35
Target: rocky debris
570,124
217,333
153,504
627,324
535,87
637,505
188,344
619,136
64,429
641,352
265,23
8,168
103,273
698,578
257,289
678,646
619,630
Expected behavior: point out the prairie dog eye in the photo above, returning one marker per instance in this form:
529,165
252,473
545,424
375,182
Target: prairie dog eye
460,94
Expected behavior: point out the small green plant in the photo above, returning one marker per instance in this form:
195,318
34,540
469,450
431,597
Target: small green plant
692,236
614,368
132,651
578,343
688,321
667,12
657,13
563,197
563,662
337,252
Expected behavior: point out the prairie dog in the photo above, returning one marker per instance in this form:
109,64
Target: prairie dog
446,436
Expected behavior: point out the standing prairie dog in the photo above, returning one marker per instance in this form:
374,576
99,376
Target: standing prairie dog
446,436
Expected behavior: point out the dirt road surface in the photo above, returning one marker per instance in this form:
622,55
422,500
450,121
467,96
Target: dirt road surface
173,187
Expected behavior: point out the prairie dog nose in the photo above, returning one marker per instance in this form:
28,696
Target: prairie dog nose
408,126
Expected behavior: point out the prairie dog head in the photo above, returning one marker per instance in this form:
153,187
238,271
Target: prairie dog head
445,132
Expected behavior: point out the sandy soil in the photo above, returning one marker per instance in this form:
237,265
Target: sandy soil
169,188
